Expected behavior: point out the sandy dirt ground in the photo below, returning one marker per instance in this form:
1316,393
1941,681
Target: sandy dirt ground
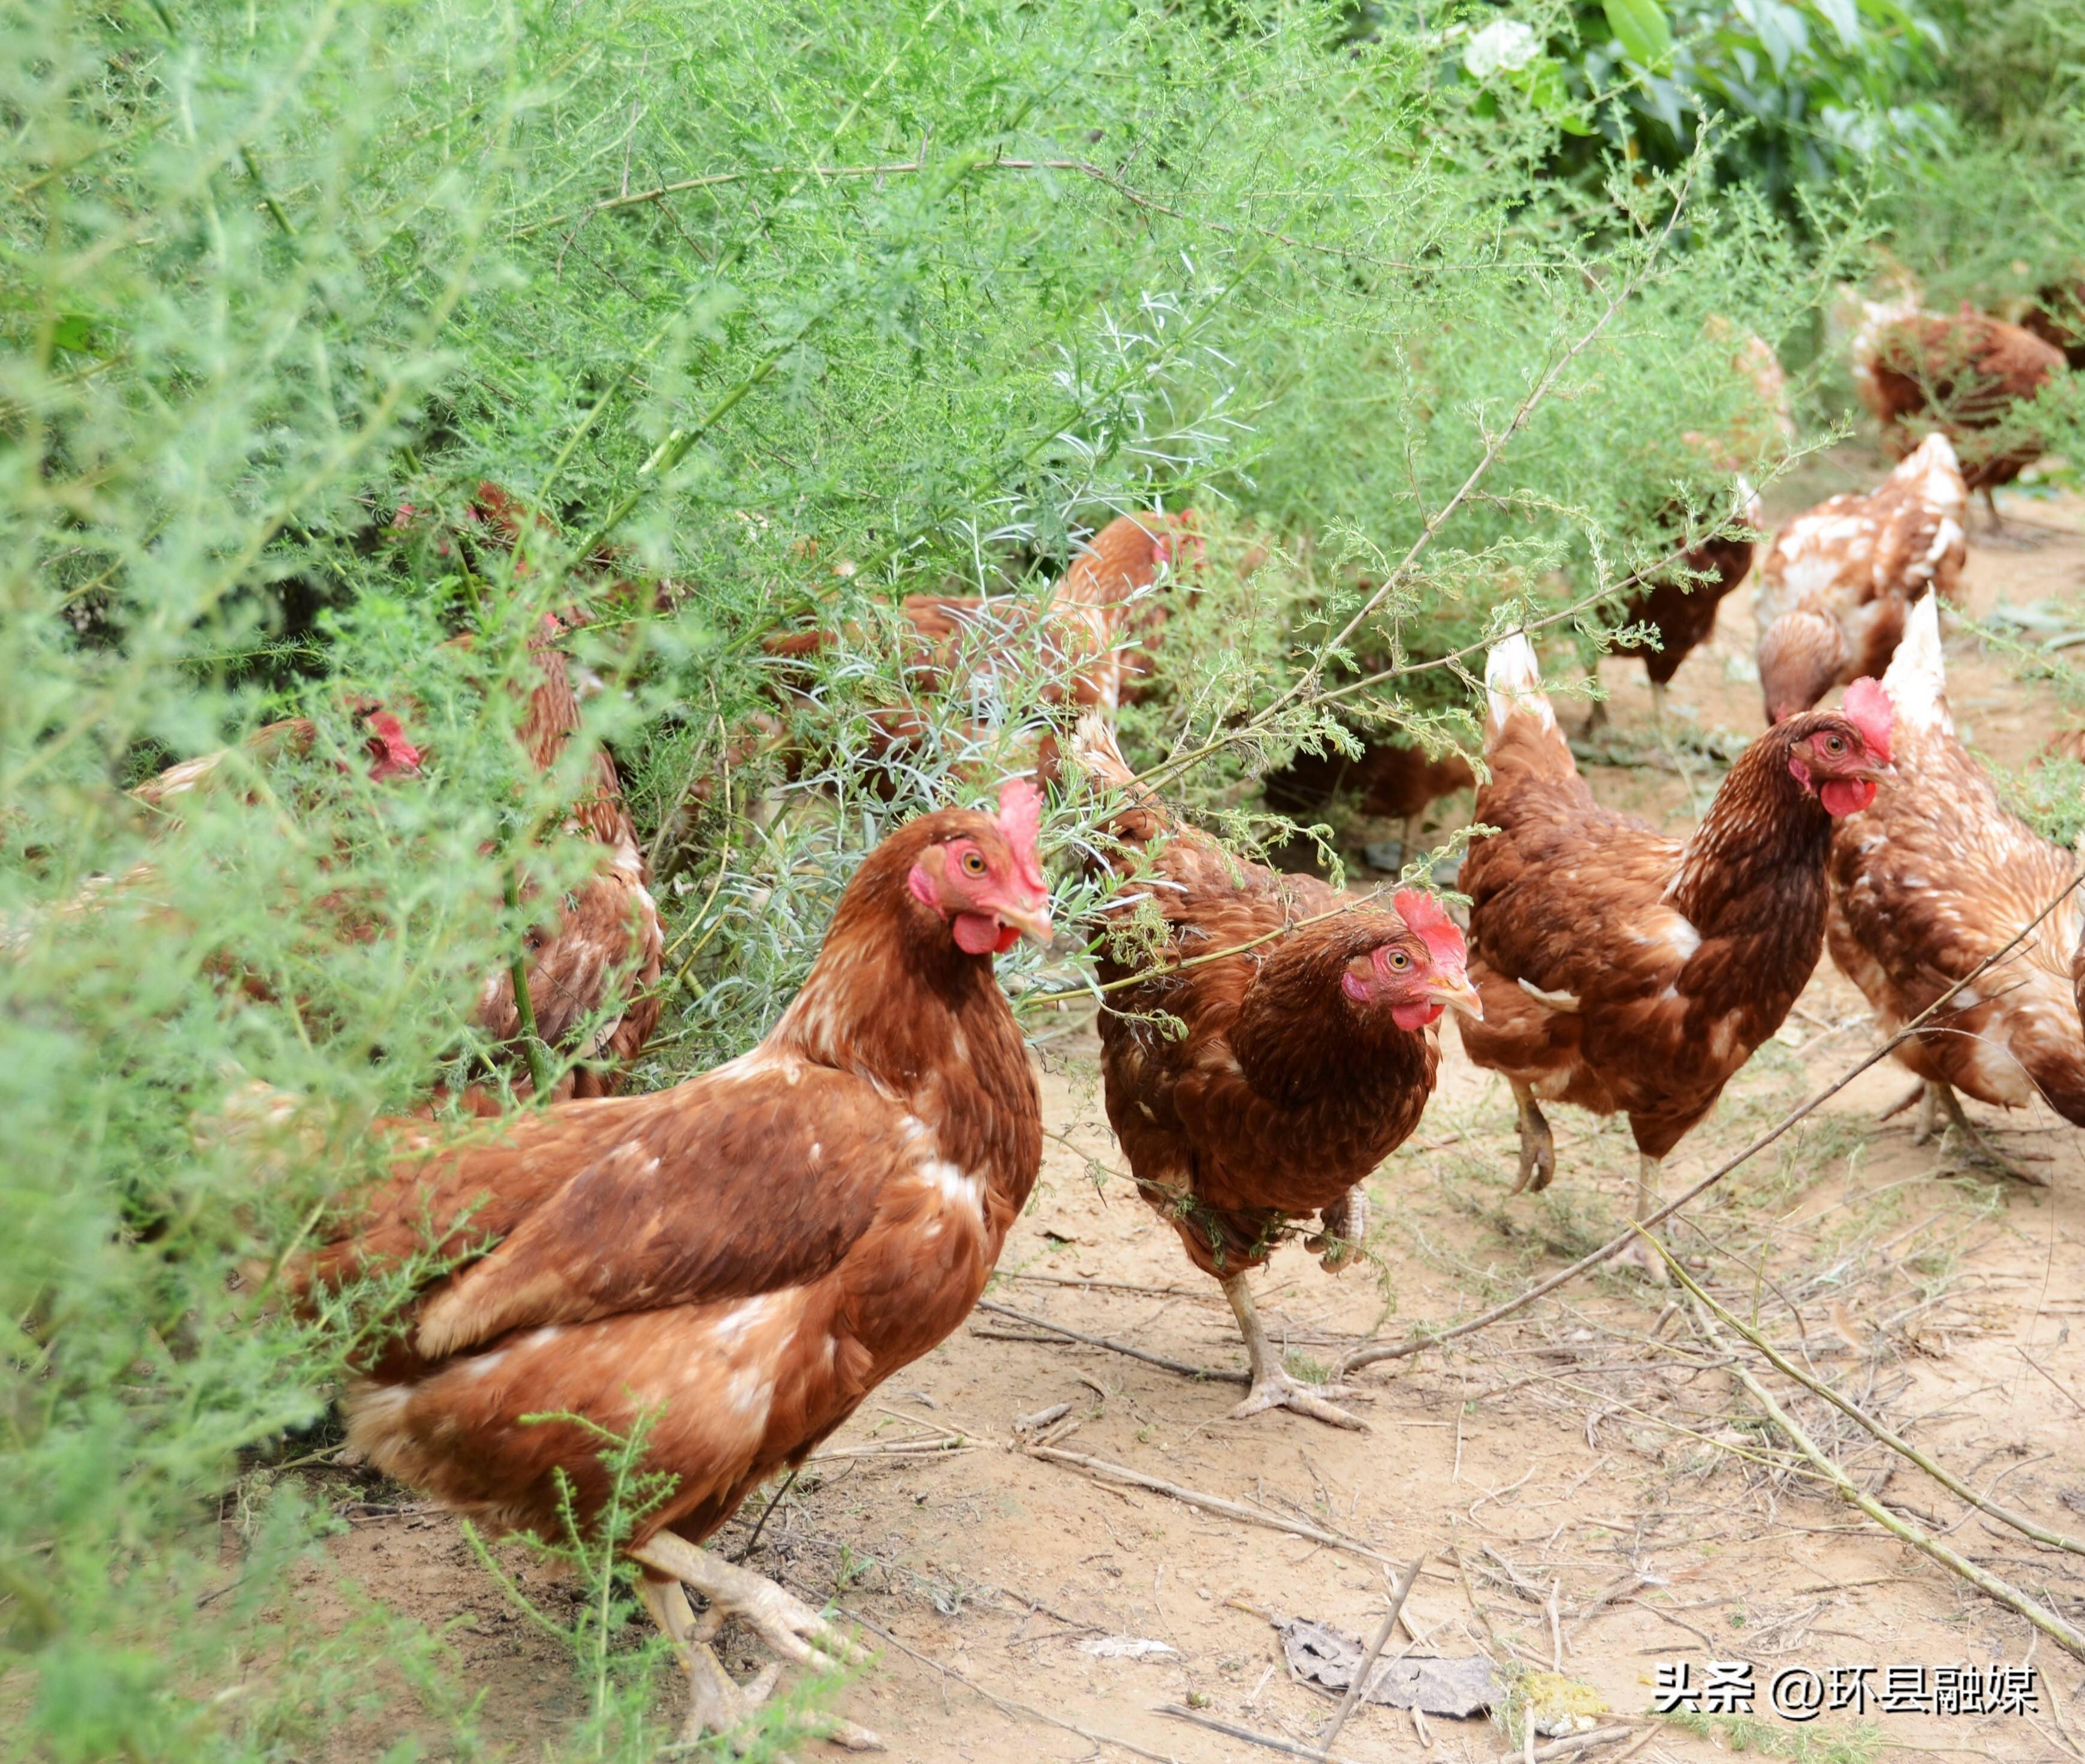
1593,1494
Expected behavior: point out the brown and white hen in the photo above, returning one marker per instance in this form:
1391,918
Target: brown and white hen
1839,579
1934,880
728,1267
1629,972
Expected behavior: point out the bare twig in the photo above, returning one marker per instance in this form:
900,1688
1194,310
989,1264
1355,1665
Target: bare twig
1902,1447
2003,1592
1251,1735
1569,1747
1006,1703
1115,1347
1361,1680
1101,1470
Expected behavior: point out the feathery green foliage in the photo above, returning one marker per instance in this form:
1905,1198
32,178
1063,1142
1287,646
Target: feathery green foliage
798,307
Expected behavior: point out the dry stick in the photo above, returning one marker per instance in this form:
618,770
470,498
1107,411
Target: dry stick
1115,1347
1361,1680
1570,1747
2063,1389
1006,1703
1418,1343
1902,1447
1252,1735
2004,1592
1102,1471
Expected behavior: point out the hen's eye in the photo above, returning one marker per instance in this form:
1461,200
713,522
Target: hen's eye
1399,961
973,863
1834,745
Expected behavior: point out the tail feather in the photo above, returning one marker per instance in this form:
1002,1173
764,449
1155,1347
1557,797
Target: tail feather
1934,472
1521,735
1513,681
1917,681
1141,816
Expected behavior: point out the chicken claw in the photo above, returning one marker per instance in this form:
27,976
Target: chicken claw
1273,1386
716,1704
1643,1253
788,1624
1277,1388
1977,1145
1538,1149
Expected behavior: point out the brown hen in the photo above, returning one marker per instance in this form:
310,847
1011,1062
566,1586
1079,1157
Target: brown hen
604,950
601,951
730,1266
1279,1046
1626,971
1931,881
1839,579
1094,633
1964,374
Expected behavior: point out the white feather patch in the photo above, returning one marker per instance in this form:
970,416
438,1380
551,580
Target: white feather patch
1563,1001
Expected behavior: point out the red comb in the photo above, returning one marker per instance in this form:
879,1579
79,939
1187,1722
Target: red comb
1868,708
1021,819
1442,936
388,747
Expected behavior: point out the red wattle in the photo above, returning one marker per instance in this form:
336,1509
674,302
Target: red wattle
978,933
1415,1016
1847,795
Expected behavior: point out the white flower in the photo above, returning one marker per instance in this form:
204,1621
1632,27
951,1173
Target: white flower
1506,43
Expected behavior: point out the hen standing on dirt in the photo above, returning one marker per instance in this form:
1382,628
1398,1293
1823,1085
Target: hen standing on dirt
1933,881
732,1264
1308,1053
1839,578
1621,970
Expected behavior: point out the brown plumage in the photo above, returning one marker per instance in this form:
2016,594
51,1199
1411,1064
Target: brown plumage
1934,879
738,1260
2057,317
1839,578
1624,971
1962,373
1393,782
1681,608
1307,1056
1093,635
605,946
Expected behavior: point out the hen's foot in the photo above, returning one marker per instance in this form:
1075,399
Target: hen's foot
1978,1148
1926,1095
786,1624
1537,1147
1643,1257
1643,1253
1272,1385
1279,1389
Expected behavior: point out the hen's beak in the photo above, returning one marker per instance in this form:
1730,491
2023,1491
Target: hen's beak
1032,922
1876,774
1456,991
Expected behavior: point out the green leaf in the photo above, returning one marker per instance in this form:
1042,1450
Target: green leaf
1641,28
75,330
